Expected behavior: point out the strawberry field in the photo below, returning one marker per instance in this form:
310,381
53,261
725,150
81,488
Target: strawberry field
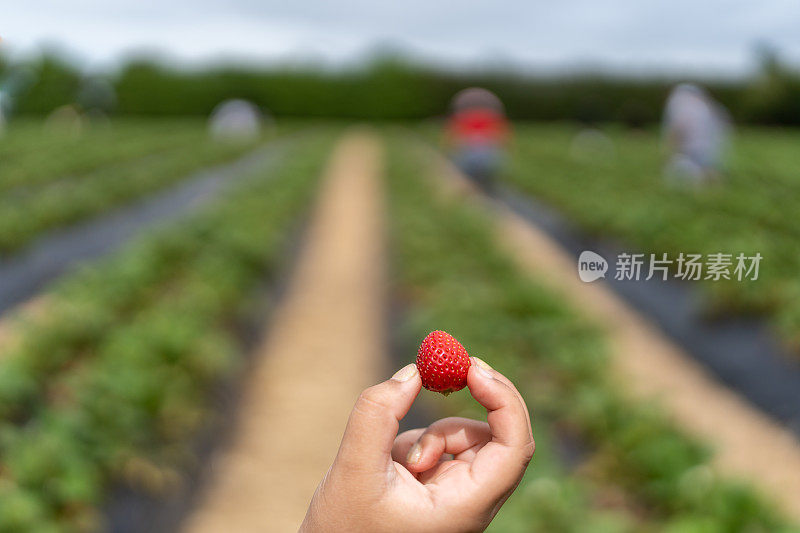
56,179
634,472
622,195
109,381
112,380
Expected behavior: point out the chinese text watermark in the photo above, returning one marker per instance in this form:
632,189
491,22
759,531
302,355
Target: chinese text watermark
692,267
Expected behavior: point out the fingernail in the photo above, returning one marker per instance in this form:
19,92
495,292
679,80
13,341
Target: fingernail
405,373
483,367
414,454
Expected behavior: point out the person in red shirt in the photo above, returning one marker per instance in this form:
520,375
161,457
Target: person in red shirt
476,134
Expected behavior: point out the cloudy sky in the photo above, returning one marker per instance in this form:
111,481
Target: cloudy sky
696,36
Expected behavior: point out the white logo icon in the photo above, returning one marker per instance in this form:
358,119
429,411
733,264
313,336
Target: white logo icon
591,266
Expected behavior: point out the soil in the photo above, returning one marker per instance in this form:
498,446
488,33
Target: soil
10,322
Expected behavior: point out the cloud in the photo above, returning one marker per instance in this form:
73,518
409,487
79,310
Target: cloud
624,34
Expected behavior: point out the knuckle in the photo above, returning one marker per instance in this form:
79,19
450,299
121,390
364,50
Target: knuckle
407,435
528,450
371,401
444,422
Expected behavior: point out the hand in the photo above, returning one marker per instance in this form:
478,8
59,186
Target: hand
381,482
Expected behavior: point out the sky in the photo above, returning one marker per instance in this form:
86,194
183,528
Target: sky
710,37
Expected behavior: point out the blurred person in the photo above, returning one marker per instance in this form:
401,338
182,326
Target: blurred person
236,120
14,82
696,129
3,119
476,135
65,120
591,145
452,476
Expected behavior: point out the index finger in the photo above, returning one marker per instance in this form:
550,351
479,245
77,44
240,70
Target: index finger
507,413
499,466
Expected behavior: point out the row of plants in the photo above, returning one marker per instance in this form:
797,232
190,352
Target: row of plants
111,382
26,213
615,188
633,471
32,155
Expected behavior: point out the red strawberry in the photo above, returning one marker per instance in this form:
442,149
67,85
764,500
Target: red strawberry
442,363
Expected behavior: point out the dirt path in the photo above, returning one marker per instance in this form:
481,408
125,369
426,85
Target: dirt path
323,348
747,444
11,321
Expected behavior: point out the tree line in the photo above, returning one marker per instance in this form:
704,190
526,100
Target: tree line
385,88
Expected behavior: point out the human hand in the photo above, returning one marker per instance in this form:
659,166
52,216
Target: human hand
382,482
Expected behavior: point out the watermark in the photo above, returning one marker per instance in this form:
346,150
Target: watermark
691,267
591,266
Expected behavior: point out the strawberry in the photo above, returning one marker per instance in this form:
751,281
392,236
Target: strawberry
442,363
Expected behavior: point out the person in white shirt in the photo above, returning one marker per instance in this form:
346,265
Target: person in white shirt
696,129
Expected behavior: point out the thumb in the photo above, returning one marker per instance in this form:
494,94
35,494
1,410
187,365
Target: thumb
372,427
